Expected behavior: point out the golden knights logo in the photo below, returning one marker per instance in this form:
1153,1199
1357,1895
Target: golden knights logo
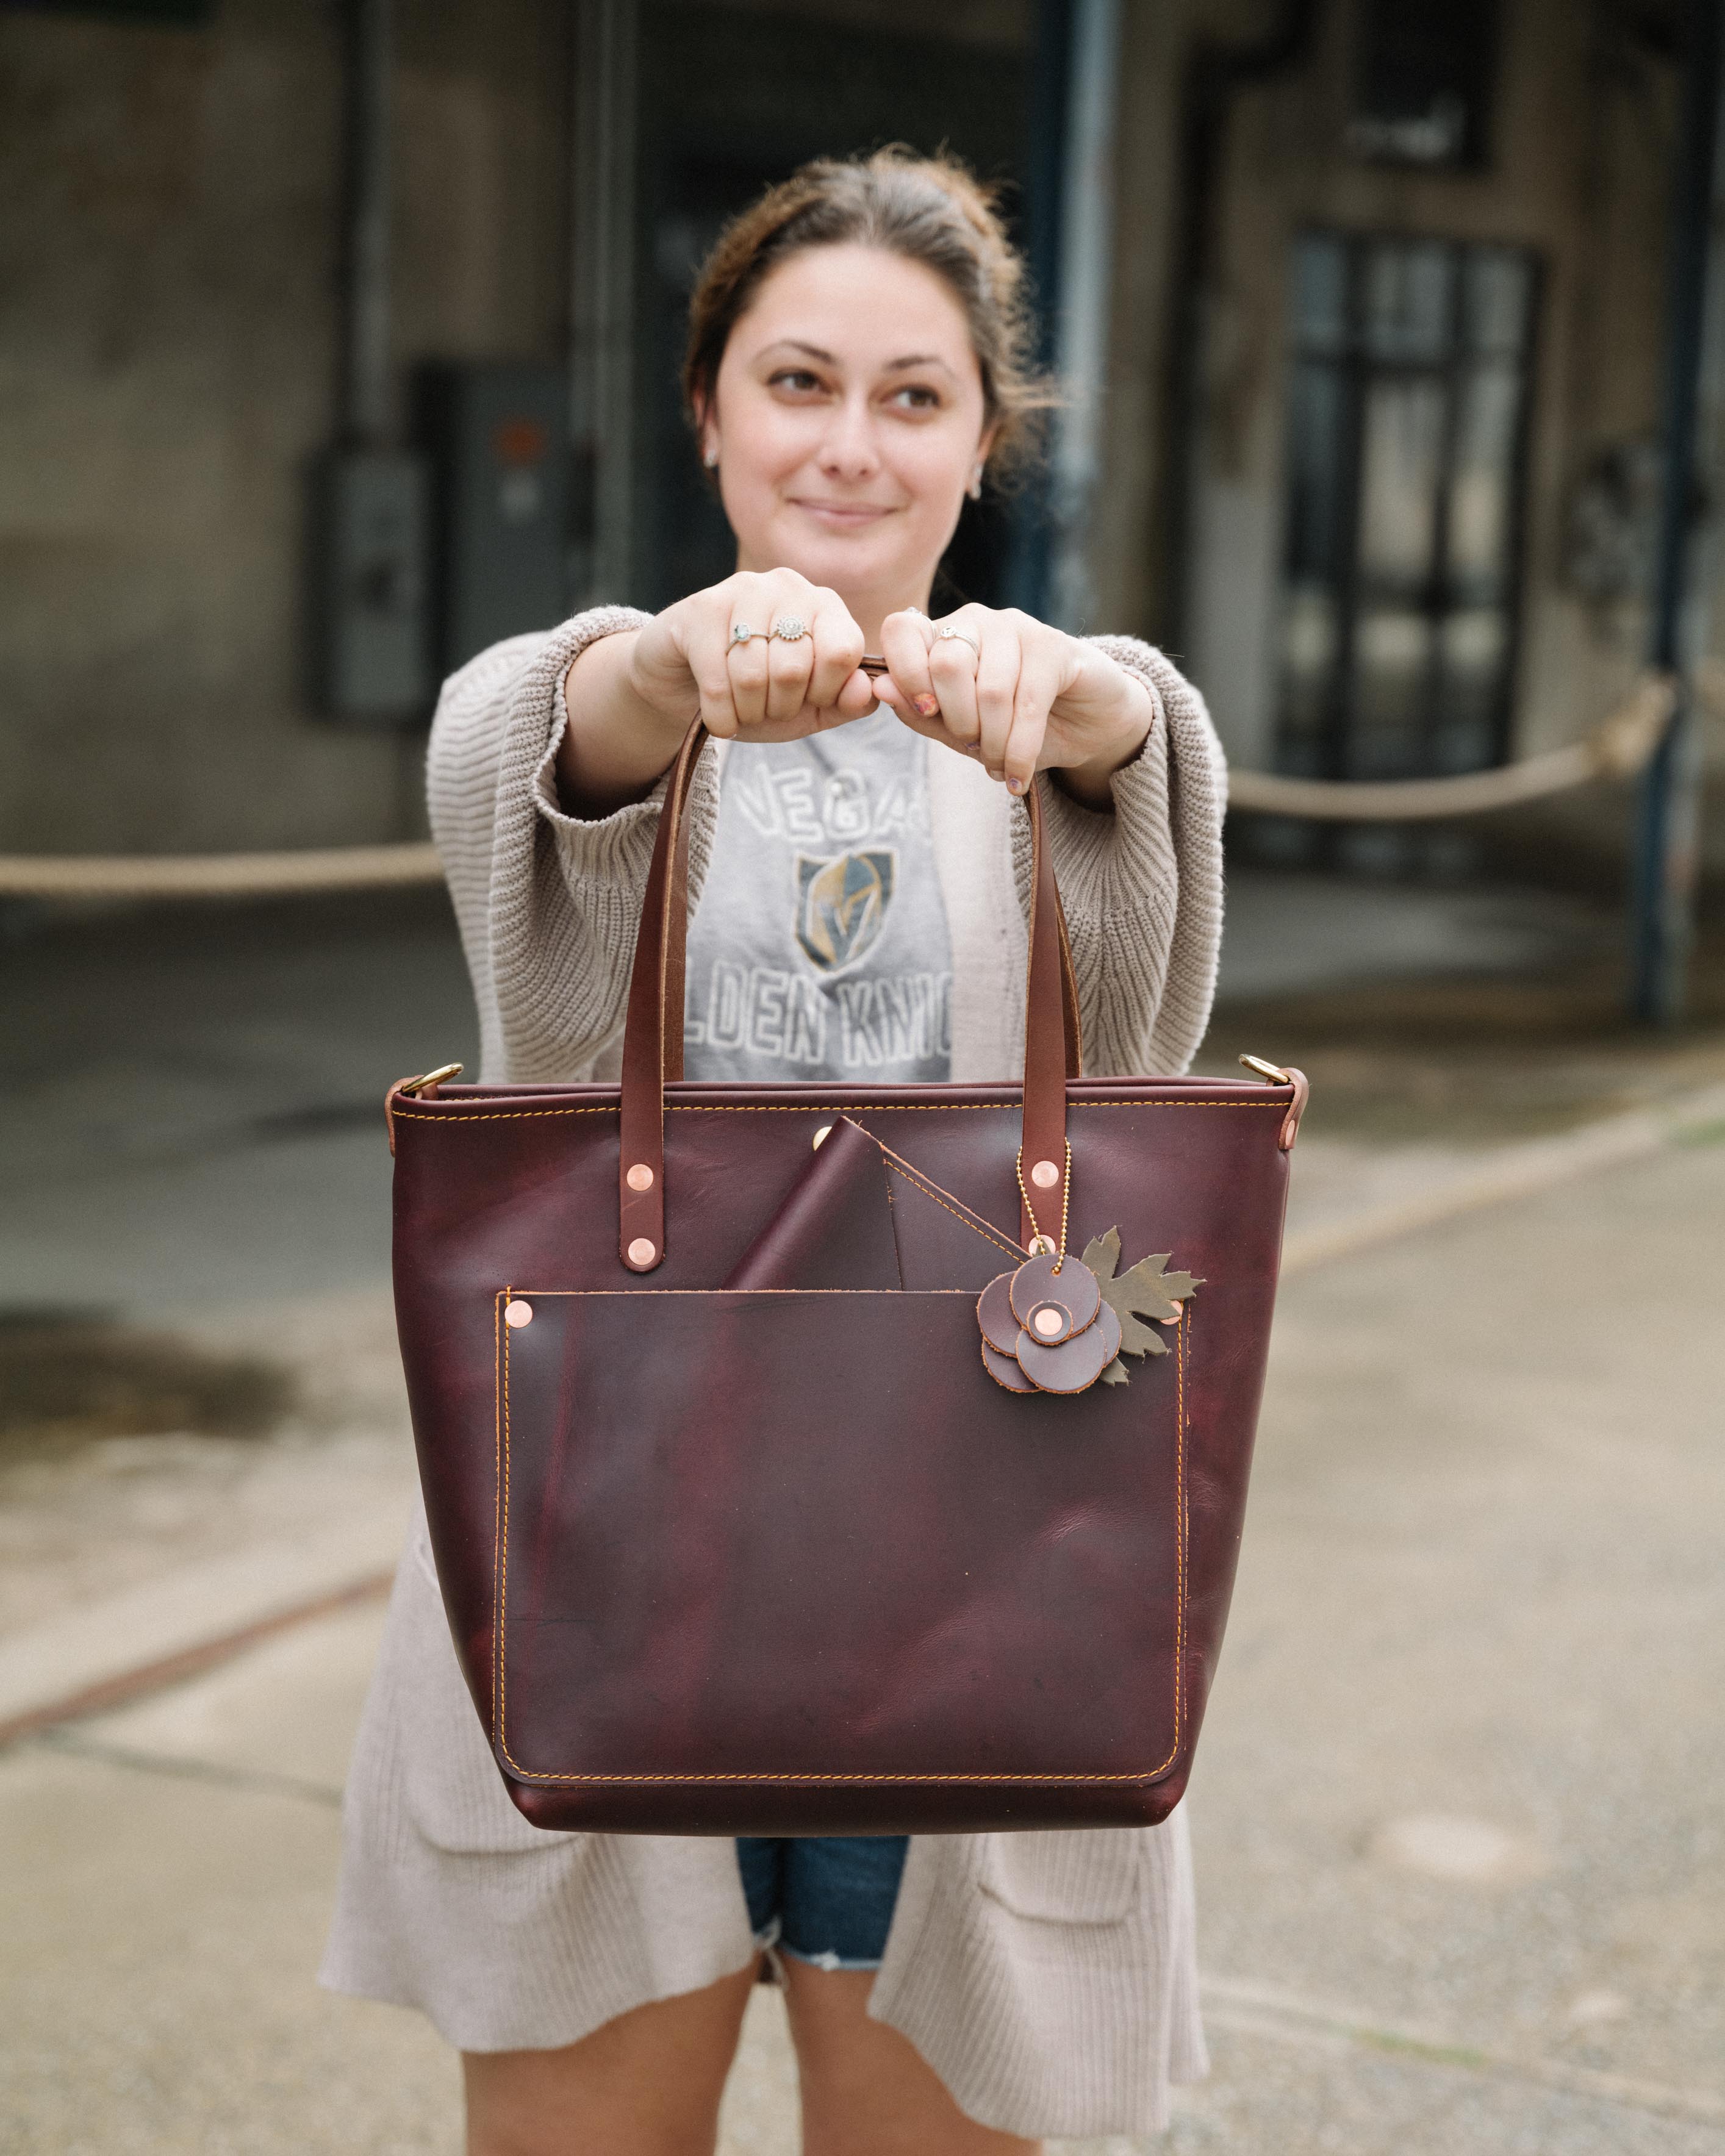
841,905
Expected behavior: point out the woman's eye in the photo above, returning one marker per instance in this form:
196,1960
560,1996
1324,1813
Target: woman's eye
797,379
917,397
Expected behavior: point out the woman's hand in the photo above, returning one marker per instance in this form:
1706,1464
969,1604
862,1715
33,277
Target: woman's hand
1018,697
631,696
724,653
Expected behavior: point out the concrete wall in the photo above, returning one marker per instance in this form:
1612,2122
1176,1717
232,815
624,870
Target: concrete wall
166,323
166,362
1582,133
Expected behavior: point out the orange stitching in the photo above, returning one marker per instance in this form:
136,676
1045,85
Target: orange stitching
503,1574
964,1220
918,1181
499,1329
1180,1536
545,1293
1033,1781
454,1113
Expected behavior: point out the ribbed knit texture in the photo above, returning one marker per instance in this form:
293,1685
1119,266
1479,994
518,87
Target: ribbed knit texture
1049,1979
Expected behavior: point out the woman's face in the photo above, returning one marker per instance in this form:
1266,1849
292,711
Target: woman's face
848,424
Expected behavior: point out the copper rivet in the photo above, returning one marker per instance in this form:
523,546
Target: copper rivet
1047,1320
639,1177
640,1251
517,1314
1044,1175
823,1132
1179,1312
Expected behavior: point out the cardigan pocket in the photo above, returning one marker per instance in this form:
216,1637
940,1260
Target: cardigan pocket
429,1746
1093,1876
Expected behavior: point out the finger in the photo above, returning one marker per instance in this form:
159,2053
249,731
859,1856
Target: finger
838,645
1039,684
856,698
746,664
905,639
930,729
788,663
952,666
705,656
997,681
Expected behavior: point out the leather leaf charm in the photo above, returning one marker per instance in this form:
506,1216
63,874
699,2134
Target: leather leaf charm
1145,1292
1058,1326
1045,1327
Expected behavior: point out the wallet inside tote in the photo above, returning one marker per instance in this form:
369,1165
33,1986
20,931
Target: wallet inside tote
758,1535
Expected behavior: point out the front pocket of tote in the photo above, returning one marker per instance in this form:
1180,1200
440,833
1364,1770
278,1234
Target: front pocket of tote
759,1535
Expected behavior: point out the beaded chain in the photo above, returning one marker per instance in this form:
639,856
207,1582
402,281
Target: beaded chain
1066,1202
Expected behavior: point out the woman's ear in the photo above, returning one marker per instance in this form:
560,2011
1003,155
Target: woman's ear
706,433
985,448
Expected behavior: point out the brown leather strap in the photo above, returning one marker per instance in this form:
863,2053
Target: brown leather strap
652,1049
653,1031
1053,1049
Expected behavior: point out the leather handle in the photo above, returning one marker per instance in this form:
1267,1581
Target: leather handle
653,1030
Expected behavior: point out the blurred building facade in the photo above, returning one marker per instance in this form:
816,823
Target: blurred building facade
1371,296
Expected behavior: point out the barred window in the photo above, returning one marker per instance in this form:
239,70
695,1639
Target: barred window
1407,420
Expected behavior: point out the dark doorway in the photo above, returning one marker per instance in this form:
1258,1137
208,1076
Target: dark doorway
732,100
1407,426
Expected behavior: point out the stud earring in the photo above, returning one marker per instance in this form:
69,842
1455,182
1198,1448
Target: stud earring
975,489
711,459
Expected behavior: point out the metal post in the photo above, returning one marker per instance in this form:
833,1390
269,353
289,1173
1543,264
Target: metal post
1027,567
1663,922
1215,72
603,327
365,384
369,613
1085,271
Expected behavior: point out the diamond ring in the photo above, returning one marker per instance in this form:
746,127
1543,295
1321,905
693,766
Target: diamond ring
741,631
792,629
945,633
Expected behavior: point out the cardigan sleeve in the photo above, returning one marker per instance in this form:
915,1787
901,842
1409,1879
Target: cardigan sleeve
547,903
1141,887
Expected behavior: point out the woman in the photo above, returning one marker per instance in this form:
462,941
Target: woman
856,365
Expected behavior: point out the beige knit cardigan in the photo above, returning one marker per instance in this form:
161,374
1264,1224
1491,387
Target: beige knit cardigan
1049,1979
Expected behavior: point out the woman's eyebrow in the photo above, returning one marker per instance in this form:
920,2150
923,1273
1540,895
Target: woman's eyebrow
797,344
828,359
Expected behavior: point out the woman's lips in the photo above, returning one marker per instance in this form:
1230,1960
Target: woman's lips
846,514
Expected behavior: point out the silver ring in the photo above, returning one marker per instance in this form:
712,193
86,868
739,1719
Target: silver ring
945,633
791,630
741,631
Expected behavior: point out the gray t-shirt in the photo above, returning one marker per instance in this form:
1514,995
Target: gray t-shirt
819,948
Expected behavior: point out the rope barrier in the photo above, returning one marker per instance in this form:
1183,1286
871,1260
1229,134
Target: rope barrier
1616,749
216,875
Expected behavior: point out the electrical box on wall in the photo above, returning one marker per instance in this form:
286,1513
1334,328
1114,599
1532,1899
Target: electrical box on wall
370,536
498,436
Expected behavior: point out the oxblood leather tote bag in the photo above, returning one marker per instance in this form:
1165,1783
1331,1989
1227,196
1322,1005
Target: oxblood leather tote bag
784,1483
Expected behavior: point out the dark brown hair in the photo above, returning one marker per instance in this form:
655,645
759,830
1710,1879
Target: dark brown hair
931,210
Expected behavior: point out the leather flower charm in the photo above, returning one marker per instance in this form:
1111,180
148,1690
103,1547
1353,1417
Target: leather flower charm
1046,1328
1058,1324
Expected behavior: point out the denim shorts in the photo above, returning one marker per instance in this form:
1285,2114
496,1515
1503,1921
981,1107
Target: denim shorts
826,1899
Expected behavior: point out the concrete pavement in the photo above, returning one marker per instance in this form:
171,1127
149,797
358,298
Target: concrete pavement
1459,1856
1456,1808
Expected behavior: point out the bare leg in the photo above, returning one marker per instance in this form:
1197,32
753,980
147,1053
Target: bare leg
866,2089
646,2084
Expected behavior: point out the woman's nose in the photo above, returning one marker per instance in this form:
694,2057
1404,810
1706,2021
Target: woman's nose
848,450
